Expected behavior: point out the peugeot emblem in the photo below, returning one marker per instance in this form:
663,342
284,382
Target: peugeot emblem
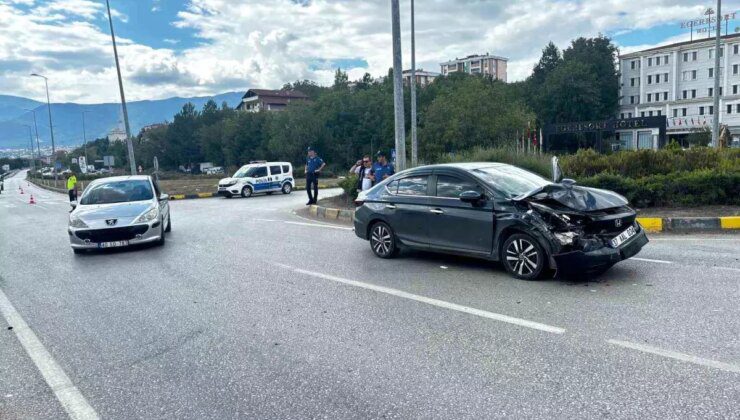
618,222
112,222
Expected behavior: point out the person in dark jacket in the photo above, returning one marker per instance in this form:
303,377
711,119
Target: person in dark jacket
314,165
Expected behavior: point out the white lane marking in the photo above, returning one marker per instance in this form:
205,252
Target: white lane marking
727,367
654,261
305,224
693,239
430,301
69,396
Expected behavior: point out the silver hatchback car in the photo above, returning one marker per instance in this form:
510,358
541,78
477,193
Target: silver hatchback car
119,211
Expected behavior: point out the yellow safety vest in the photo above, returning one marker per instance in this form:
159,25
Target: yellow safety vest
71,182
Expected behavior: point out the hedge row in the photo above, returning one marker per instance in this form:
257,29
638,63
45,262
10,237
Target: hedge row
688,188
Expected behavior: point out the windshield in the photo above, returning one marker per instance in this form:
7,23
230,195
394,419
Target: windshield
118,192
245,172
510,180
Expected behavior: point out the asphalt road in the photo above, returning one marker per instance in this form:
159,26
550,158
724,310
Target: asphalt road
250,311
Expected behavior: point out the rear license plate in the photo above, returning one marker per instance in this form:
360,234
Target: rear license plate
628,233
113,244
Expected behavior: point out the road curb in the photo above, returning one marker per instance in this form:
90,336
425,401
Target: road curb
650,224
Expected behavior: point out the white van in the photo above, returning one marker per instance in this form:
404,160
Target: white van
259,177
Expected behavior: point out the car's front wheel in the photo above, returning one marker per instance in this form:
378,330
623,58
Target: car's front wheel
247,192
169,223
162,239
523,257
383,241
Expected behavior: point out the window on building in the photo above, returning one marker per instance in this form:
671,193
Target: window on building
657,113
734,89
665,59
665,96
650,113
632,81
711,110
632,99
693,74
735,68
729,109
650,62
629,114
710,92
721,92
684,111
693,56
642,114
665,77
675,112
693,93
649,97
685,94
736,49
711,53
621,116
684,75
701,110
737,108
711,72
650,79
685,57
633,64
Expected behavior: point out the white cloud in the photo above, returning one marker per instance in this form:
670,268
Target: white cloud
256,43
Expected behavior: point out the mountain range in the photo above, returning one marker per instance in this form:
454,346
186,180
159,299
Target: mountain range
99,118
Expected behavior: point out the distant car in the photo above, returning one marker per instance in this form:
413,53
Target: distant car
119,211
47,174
215,170
501,213
259,177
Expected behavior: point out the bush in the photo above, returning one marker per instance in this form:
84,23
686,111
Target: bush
694,188
349,185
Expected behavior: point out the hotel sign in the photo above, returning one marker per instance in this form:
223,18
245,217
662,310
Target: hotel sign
605,125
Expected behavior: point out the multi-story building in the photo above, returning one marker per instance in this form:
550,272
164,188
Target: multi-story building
677,80
423,78
491,65
269,100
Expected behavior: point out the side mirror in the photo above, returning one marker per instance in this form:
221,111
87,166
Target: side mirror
164,197
472,197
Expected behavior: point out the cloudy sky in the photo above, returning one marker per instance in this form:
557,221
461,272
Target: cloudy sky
203,47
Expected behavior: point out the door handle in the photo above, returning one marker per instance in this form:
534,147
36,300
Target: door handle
437,211
390,206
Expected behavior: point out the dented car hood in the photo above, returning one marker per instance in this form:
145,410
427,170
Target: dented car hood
578,198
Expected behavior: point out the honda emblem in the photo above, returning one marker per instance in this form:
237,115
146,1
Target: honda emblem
618,222
112,222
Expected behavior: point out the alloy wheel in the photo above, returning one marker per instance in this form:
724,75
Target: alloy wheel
381,240
522,257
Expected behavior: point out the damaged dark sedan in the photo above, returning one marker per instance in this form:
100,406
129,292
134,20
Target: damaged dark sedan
500,212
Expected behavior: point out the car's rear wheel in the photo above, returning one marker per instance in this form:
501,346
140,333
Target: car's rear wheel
287,188
523,257
247,192
383,241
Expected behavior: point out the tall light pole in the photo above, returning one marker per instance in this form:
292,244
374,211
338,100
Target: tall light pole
414,141
36,128
129,143
84,138
715,124
48,105
30,138
398,87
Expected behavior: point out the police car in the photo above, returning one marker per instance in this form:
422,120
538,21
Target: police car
259,177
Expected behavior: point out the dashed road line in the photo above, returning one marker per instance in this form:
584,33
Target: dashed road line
727,367
651,260
430,301
69,396
305,224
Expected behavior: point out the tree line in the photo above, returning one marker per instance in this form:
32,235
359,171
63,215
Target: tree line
346,120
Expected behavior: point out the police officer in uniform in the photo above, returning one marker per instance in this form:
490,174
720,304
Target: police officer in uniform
382,169
314,165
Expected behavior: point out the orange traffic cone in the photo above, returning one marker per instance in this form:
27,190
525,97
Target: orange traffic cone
32,201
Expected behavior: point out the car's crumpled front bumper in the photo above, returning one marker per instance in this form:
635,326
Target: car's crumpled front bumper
582,261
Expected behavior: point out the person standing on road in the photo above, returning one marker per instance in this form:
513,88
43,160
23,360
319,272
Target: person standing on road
363,169
314,165
72,188
382,169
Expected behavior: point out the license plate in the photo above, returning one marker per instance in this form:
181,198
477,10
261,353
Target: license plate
113,244
628,233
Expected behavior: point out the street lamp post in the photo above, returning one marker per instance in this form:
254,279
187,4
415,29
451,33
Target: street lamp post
36,129
129,143
414,141
30,138
398,87
48,105
84,139
715,123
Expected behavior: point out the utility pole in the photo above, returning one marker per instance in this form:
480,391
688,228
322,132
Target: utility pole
398,87
30,138
36,129
715,125
84,139
51,125
129,143
414,140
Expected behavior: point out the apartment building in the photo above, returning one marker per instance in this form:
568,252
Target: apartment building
423,78
488,64
677,80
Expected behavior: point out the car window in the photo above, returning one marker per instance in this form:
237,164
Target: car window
117,192
414,185
259,172
392,187
452,187
286,169
275,170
